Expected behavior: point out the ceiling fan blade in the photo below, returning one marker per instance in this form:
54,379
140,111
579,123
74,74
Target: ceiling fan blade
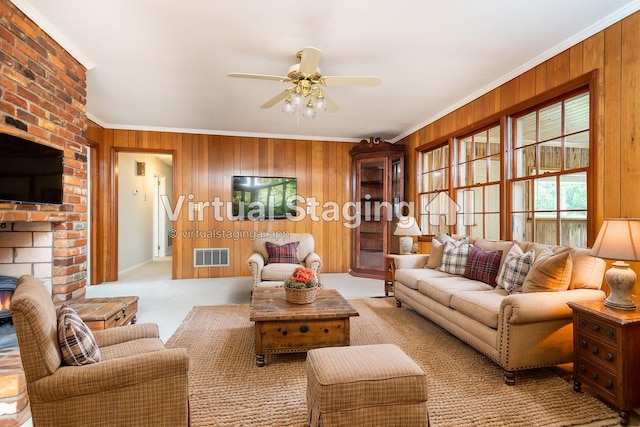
332,107
273,101
351,81
309,60
259,77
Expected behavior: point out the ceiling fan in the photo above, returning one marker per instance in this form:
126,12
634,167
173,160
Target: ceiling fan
307,93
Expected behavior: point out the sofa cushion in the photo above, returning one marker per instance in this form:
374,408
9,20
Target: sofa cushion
285,254
411,276
481,306
443,288
515,270
587,271
454,258
77,344
550,272
483,265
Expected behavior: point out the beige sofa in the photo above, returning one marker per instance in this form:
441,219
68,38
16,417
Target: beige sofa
267,271
517,330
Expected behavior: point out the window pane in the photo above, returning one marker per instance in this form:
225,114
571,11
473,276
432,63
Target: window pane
525,161
494,140
479,171
573,191
520,229
573,231
550,122
576,153
494,168
577,114
492,227
545,195
465,148
545,230
526,130
480,144
520,196
492,198
550,157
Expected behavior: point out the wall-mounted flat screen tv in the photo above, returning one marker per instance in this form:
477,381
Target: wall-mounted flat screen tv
257,197
30,172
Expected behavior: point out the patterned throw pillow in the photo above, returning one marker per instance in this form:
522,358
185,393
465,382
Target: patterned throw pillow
515,270
77,344
482,265
287,253
454,258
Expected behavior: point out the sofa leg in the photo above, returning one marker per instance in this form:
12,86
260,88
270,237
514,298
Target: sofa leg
398,303
509,377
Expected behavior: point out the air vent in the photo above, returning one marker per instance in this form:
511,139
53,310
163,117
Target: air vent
211,257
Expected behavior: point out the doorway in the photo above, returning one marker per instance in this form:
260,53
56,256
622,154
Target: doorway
143,178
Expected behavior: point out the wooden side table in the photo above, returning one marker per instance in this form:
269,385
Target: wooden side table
606,344
391,262
104,313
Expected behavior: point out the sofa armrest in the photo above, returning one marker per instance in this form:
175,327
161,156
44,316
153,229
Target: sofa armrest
255,263
411,261
313,262
111,336
543,306
110,375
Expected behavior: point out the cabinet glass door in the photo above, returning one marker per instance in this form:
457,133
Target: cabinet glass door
370,245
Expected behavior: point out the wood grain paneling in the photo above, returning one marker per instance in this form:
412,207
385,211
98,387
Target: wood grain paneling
203,169
614,56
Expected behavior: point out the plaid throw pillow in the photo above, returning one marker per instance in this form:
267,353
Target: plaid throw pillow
287,253
482,265
77,344
515,270
454,258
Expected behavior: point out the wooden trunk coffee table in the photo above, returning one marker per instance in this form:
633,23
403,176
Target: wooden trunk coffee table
283,327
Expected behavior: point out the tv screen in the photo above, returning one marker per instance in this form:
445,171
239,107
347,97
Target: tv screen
29,172
256,197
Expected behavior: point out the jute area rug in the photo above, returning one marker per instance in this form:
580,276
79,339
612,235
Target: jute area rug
465,388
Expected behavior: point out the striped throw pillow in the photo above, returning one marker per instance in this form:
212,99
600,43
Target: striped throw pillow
483,265
77,344
287,253
515,270
454,258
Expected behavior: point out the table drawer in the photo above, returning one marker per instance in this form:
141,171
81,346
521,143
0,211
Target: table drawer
301,335
603,381
588,324
597,349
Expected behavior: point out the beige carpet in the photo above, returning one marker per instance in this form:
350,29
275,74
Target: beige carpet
465,388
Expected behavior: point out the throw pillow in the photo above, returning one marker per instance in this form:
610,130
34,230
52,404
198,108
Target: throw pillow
454,258
435,256
77,344
287,253
482,265
551,272
515,270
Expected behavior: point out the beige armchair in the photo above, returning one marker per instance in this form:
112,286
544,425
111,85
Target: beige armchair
269,273
137,382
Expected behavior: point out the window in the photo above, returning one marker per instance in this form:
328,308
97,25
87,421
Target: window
477,183
433,186
530,183
549,168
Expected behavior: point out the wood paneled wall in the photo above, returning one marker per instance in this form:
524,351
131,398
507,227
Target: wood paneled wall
614,54
204,166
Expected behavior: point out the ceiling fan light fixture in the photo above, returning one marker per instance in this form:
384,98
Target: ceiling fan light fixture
297,100
309,112
287,107
320,104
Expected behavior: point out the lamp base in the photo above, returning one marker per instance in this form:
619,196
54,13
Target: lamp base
406,244
621,280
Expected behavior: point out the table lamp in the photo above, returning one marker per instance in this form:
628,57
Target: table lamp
619,239
407,227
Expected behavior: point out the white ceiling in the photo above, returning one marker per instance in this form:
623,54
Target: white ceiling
163,64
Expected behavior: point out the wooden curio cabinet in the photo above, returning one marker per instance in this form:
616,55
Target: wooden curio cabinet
378,188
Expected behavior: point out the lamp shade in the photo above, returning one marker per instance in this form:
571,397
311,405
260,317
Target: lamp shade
407,226
618,239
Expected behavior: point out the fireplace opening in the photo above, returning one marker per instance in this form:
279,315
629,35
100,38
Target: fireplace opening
7,331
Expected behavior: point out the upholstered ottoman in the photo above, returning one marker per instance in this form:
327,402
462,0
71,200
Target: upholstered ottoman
372,385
